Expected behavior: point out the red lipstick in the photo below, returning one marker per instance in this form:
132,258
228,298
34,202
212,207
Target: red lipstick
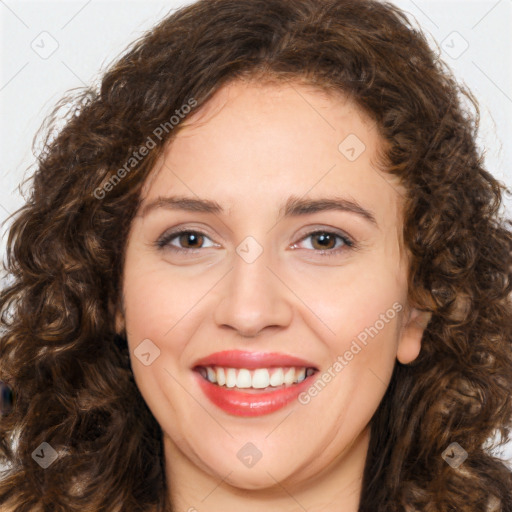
251,360
251,402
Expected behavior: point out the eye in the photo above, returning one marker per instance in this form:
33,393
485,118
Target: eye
327,243
189,240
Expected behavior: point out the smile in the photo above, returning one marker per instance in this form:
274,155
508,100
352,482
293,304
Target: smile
248,384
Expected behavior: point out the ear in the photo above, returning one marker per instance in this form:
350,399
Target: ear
120,323
409,345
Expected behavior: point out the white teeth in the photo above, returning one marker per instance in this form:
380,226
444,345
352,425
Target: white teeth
211,375
259,378
289,376
244,379
221,376
277,378
230,377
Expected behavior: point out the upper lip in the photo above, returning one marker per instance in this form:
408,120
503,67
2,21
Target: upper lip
251,360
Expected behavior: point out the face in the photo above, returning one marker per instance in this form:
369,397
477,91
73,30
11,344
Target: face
289,256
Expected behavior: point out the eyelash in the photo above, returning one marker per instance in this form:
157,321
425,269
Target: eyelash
164,241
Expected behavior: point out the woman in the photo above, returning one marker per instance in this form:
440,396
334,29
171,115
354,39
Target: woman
337,334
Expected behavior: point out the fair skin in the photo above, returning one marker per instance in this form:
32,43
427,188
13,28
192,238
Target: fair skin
249,149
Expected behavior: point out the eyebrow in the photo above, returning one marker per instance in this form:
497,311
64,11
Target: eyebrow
294,206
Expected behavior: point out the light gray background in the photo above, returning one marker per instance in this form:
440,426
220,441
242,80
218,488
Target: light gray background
48,48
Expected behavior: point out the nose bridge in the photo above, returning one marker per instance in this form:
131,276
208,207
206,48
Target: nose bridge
253,297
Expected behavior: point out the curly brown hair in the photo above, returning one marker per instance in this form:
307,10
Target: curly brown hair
70,370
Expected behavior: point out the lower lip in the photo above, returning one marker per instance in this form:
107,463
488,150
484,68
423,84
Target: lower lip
239,403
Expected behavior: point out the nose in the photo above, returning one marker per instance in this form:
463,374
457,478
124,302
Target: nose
253,299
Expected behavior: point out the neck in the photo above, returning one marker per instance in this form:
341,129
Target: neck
337,487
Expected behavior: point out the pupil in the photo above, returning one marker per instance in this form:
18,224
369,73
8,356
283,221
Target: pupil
190,237
324,239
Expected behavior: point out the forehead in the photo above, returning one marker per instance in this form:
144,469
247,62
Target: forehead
270,140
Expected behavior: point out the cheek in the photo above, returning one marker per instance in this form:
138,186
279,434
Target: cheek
153,307
154,300
162,307
368,330
349,300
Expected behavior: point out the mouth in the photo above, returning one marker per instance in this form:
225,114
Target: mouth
244,383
